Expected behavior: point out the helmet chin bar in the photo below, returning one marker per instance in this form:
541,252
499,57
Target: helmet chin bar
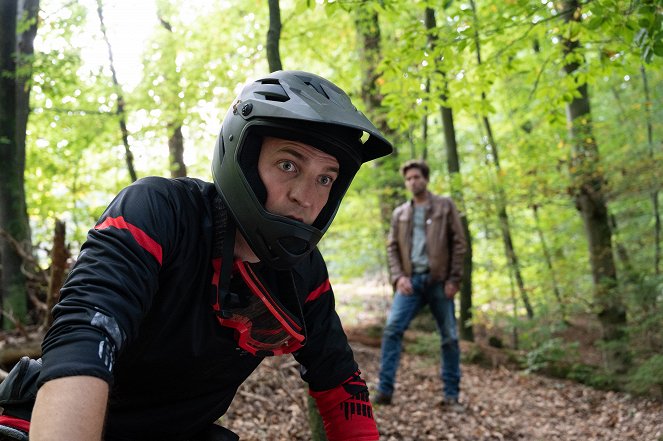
277,253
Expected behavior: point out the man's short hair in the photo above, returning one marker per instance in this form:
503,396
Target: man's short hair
416,163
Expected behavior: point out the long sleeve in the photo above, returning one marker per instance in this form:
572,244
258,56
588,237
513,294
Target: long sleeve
458,245
394,249
111,287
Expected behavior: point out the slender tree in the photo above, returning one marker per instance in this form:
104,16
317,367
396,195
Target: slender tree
59,257
549,262
588,191
174,123
176,150
274,36
453,167
28,18
370,54
122,116
16,55
654,193
502,213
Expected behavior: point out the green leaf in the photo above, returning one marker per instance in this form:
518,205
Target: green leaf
595,23
658,48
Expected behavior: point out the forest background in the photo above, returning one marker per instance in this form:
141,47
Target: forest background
542,119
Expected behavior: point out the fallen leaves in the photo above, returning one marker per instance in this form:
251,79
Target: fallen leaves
501,404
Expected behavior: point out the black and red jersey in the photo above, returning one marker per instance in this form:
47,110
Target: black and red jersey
136,311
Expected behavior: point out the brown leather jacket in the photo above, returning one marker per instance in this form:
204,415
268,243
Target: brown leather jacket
445,240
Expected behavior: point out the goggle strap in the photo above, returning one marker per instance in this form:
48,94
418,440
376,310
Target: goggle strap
255,284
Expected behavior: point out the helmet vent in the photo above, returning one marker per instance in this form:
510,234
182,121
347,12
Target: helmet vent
314,83
272,92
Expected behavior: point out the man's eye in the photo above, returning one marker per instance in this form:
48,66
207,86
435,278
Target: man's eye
326,180
286,166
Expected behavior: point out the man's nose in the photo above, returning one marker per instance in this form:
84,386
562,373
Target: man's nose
302,194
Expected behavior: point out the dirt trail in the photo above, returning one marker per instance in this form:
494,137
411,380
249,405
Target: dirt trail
501,405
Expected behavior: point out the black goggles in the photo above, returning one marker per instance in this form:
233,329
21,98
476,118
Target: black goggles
263,326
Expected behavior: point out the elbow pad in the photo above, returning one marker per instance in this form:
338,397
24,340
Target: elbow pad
346,411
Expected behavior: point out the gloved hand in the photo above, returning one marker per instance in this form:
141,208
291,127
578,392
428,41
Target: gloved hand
19,390
8,431
17,396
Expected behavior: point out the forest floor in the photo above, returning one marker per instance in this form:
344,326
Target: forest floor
501,403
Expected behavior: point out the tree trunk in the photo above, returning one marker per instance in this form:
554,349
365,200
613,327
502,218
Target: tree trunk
15,56
653,194
587,183
370,53
424,126
453,167
176,152
315,421
502,214
174,126
120,98
549,263
274,36
28,15
59,256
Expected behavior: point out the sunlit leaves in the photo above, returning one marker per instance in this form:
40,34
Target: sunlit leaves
192,72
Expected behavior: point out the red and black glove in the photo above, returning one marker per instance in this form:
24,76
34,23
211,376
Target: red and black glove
347,412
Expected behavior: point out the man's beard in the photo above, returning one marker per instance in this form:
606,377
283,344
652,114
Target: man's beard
418,191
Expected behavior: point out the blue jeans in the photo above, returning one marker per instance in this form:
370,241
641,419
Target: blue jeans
403,309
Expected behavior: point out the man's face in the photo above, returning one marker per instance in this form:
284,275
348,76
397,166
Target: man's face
415,181
298,178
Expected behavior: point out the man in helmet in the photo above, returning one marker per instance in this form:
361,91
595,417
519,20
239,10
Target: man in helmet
183,287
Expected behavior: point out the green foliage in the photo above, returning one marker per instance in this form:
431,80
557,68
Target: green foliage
71,167
648,377
425,344
649,35
424,321
548,355
354,245
560,359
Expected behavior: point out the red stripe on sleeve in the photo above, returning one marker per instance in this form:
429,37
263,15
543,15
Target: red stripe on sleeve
145,241
15,423
318,291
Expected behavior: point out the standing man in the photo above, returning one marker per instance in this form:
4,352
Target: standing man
425,251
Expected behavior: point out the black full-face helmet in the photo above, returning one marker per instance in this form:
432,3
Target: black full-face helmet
298,106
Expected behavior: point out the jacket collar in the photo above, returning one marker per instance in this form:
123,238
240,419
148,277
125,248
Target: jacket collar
427,204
